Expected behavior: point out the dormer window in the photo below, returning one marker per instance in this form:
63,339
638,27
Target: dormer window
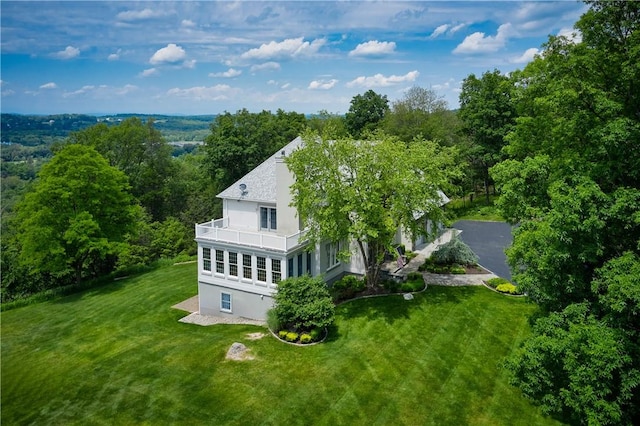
268,218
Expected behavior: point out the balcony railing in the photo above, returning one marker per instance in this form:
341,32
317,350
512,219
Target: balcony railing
218,230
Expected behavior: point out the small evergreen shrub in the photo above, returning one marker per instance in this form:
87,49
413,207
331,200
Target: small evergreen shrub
283,334
413,276
305,338
391,286
507,288
291,336
347,287
454,252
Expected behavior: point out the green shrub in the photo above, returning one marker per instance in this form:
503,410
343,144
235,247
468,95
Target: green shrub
291,336
495,282
305,338
272,321
455,251
406,288
507,288
347,287
315,334
303,303
458,270
391,286
282,334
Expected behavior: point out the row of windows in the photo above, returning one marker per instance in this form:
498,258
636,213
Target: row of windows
247,265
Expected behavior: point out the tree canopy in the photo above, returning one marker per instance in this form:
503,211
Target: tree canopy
79,210
364,190
366,112
572,182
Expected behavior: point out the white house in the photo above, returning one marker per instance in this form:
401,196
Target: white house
258,242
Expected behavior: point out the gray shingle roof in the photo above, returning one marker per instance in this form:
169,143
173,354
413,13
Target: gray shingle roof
261,181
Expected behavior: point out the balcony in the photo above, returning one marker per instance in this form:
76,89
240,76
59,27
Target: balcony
218,230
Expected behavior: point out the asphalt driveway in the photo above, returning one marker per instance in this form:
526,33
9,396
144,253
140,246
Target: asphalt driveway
488,241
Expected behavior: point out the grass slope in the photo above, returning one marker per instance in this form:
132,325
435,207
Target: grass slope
118,355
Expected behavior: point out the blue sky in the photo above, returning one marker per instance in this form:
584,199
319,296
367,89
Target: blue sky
305,56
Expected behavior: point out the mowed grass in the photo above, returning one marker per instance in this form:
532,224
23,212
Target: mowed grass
118,355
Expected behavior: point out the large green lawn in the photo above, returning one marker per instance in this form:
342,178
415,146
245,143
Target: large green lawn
118,355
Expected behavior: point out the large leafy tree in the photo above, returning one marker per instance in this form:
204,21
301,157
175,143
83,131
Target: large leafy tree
241,141
364,190
487,112
421,112
140,151
366,112
572,181
78,212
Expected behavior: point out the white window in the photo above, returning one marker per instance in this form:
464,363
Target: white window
332,254
206,259
261,268
233,264
246,267
220,261
225,302
268,218
276,271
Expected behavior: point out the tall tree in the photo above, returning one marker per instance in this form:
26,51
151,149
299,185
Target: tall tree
572,181
487,113
239,142
140,151
366,112
363,191
78,211
421,112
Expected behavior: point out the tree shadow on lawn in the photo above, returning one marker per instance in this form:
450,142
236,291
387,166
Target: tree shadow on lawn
394,307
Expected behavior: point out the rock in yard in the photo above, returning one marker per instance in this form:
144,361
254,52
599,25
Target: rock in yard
238,352
408,296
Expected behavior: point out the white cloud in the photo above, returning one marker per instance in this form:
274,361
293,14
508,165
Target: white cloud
479,43
267,66
219,92
288,48
188,23
69,52
114,56
137,15
172,53
380,80
50,85
190,64
374,48
285,86
444,86
125,90
526,57
322,84
457,28
439,30
231,72
149,72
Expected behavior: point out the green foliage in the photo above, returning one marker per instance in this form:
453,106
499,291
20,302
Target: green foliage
77,215
241,141
303,303
291,336
347,287
273,322
454,251
413,276
507,288
305,338
495,282
365,112
457,270
283,334
363,190
411,286
315,334
422,112
571,182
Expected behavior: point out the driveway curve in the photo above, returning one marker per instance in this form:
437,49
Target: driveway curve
488,240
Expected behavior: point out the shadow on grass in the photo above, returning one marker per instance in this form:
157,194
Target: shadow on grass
394,307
